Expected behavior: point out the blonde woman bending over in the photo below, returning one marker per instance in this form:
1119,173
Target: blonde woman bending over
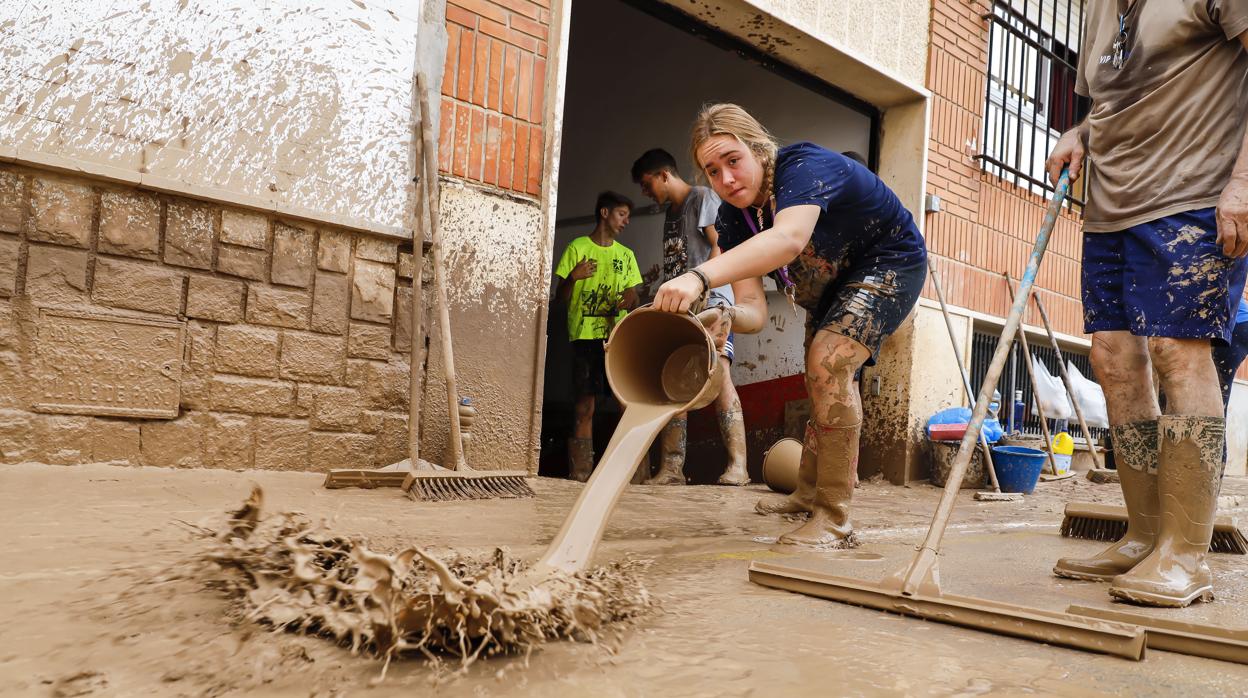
839,243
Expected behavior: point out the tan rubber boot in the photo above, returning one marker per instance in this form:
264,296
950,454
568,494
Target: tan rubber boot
672,444
1189,472
580,458
732,428
1135,452
837,460
801,501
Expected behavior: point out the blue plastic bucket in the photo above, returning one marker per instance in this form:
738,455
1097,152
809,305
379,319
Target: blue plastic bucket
1018,468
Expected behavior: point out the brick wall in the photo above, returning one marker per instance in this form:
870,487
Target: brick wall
987,225
295,335
493,92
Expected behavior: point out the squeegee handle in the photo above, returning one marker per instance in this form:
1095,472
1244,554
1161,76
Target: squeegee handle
924,560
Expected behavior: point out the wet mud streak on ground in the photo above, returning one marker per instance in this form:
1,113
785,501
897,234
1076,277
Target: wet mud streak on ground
292,574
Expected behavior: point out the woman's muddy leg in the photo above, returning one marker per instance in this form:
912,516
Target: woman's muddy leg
836,420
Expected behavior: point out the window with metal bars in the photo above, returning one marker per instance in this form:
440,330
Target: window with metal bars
1015,377
1030,100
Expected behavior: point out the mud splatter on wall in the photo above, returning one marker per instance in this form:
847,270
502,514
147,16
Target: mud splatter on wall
298,105
495,258
891,34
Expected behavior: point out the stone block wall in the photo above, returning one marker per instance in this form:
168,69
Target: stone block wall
295,336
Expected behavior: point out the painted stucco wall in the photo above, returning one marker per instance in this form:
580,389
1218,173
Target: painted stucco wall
1237,431
494,254
296,106
916,376
890,34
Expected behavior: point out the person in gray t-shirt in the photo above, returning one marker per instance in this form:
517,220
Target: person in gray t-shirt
689,239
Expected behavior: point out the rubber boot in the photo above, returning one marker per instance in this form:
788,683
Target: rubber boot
732,428
672,461
802,498
836,462
1189,472
580,458
1135,451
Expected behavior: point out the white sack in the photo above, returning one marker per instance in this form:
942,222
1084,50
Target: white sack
1049,394
1090,396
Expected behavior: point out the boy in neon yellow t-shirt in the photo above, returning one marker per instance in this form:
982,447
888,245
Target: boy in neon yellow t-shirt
599,280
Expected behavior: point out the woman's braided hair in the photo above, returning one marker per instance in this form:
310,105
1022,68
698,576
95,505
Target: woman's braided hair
731,120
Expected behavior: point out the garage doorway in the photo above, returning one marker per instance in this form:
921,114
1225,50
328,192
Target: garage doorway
638,70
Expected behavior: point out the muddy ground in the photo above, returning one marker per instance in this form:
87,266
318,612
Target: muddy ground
77,539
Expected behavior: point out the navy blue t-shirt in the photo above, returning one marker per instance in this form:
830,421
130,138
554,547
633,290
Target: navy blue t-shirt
863,224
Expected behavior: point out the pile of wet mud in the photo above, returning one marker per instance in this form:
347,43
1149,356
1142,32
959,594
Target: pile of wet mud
291,573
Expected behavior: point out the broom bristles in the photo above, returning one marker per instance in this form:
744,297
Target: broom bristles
1109,523
444,488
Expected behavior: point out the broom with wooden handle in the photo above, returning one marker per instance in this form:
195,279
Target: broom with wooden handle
457,481
996,495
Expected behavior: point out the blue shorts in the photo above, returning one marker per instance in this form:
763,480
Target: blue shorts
1163,278
727,351
868,301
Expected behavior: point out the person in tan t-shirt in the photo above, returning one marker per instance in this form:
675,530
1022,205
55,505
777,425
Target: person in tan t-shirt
1164,263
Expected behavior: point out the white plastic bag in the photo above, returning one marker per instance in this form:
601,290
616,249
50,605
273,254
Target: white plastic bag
1049,394
1090,396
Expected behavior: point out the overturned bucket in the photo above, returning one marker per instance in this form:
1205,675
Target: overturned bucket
780,465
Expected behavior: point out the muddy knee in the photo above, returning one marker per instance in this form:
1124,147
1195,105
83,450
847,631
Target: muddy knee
830,367
832,360
1119,359
1179,358
584,415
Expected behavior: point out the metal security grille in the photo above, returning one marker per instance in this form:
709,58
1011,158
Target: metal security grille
1030,100
1015,377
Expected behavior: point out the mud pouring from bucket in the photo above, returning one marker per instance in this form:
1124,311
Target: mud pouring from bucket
659,364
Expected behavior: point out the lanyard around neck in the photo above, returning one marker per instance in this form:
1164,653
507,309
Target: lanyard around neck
786,279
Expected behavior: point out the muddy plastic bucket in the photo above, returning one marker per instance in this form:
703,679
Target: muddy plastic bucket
1018,468
654,357
780,464
943,455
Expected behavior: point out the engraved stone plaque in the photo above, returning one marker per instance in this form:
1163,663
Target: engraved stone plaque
95,363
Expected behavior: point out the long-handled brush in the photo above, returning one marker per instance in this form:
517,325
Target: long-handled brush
1031,376
1109,523
1070,390
457,481
915,590
996,495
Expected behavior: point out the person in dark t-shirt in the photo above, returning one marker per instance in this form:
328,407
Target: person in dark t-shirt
839,244
689,239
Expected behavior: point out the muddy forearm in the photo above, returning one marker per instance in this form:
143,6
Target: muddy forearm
749,315
1081,129
765,252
